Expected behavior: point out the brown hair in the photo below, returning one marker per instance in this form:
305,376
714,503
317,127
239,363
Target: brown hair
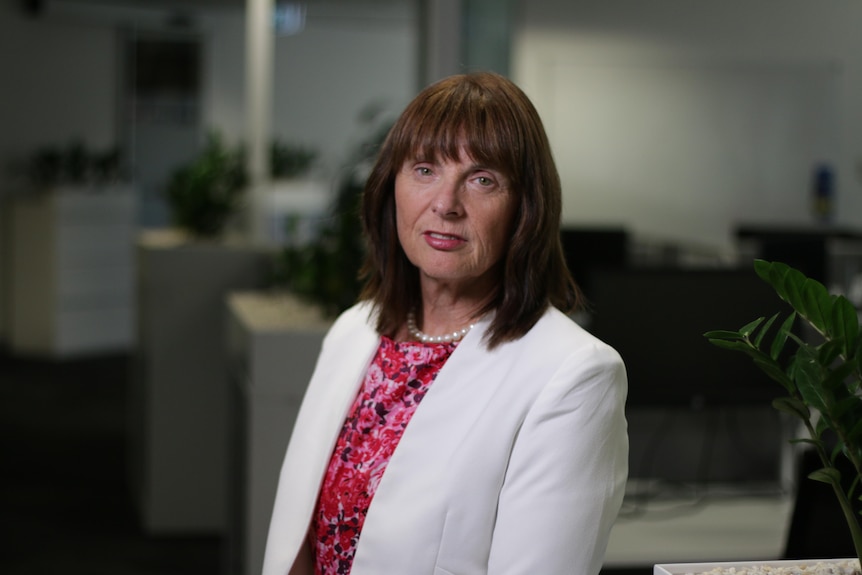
496,124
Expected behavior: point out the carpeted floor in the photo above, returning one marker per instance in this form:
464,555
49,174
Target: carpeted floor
64,502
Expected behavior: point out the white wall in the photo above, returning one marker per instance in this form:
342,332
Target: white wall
680,119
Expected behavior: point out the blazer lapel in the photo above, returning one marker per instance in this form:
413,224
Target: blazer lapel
412,481
333,387
342,377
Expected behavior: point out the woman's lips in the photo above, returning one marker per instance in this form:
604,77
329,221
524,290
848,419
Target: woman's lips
441,241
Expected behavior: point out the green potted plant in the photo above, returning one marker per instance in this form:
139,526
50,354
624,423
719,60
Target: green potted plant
290,160
821,375
204,194
74,166
325,271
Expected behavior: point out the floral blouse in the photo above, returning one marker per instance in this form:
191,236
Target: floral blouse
397,380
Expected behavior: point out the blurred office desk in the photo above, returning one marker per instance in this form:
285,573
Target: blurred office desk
726,527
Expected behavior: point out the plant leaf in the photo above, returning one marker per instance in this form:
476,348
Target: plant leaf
793,406
781,337
771,368
749,328
828,475
807,376
829,351
759,338
844,324
723,334
836,378
804,440
791,285
817,304
772,273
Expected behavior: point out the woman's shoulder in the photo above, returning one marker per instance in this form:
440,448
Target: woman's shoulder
560,334
555,357
565,327
577,358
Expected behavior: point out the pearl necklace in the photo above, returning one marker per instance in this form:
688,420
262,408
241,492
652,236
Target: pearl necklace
420,335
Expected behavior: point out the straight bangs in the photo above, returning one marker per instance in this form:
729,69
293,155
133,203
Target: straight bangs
464,116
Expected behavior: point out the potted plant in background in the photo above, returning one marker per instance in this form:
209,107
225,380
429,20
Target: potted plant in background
204,194
325,271
290,160
67,196
75,166
821,375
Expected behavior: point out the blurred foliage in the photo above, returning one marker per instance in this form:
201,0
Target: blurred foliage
325,271
74,164
204,194
291,161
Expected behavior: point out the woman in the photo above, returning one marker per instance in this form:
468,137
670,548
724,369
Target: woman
515,456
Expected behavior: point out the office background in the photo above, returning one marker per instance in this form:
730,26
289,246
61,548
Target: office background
677,121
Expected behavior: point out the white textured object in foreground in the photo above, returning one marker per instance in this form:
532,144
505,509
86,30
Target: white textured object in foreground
788,567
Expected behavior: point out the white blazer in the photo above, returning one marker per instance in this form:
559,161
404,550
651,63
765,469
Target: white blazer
514,463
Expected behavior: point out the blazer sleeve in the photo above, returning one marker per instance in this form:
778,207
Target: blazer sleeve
567,471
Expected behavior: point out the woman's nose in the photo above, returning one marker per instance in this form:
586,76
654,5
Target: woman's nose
447,202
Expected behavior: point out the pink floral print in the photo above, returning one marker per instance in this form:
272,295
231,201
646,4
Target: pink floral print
397,380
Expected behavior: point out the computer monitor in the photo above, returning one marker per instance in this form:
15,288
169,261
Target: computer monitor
656,319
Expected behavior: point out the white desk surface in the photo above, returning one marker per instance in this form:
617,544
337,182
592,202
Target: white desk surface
720,528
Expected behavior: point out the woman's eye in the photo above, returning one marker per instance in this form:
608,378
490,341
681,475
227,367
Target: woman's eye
423,171
484,181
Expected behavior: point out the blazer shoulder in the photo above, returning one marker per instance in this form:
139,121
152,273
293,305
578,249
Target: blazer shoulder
565,336
557,352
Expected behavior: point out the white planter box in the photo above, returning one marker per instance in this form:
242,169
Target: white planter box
273,343
806,567
71,271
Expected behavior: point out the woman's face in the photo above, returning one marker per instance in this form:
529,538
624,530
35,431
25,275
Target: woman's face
454,222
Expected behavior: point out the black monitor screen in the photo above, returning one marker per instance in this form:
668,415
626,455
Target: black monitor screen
656,319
